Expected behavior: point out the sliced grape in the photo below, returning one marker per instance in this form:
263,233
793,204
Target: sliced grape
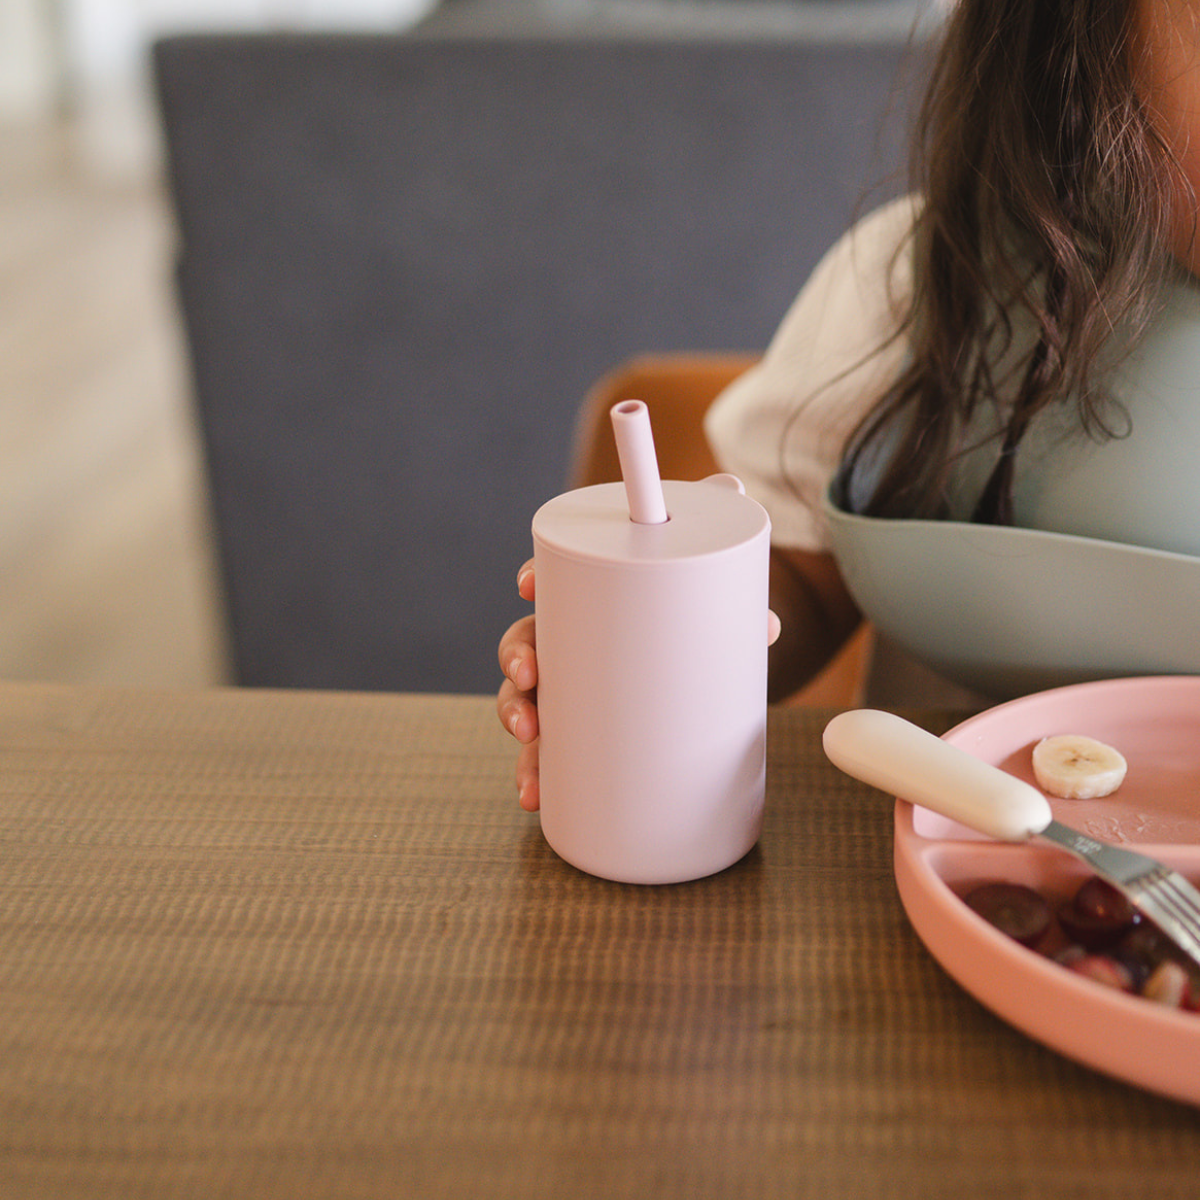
1102,969
1146,944
1137,967
1098,916
1100,936
1014,909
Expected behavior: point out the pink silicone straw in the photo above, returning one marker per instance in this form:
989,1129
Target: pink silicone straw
639,464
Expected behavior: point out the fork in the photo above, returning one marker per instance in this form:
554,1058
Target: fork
888,752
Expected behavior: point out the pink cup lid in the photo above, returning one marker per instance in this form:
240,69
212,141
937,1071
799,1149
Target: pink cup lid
706,517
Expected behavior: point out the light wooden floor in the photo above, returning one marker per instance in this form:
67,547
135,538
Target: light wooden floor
105,561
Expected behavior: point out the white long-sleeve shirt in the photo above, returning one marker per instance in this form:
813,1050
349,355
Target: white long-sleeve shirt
783,426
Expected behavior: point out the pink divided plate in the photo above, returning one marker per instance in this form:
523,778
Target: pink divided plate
1155,723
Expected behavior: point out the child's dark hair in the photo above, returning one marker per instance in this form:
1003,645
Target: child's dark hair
1047,195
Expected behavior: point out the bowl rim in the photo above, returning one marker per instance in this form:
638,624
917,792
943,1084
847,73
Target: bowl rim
835,514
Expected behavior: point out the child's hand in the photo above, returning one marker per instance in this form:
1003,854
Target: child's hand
515,702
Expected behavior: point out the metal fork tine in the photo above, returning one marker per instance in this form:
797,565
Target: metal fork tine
1186,908
1165,900
1184,934
1162,894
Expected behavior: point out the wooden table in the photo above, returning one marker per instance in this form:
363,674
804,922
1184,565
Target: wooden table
306,945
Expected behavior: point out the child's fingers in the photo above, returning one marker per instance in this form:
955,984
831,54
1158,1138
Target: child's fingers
517,712
517,654
525,580
527,778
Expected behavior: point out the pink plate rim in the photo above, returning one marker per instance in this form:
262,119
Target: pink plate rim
1120,1035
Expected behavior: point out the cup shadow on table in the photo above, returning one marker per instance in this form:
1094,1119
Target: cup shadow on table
610,962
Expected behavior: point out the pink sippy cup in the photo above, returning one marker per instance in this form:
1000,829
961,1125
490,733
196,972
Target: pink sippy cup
652,630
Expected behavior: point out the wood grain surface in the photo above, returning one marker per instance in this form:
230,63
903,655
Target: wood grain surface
306,945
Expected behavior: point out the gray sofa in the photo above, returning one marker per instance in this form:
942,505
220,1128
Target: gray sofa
404,259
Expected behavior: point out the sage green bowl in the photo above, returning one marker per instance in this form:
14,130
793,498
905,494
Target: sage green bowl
1008,611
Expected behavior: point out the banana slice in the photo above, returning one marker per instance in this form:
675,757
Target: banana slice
1076,767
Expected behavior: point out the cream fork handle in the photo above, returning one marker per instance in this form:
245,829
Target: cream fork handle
905,760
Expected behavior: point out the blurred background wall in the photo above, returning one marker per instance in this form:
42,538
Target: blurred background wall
106,570
88,57
106,563
106,560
